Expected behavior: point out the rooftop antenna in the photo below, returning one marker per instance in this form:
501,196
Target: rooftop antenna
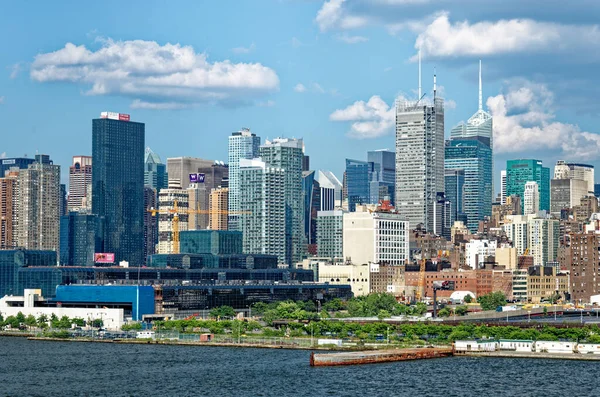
434,85
419,72
480,95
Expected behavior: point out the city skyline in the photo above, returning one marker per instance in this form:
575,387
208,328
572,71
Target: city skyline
350,95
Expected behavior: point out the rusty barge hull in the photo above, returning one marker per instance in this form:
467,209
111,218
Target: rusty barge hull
375,357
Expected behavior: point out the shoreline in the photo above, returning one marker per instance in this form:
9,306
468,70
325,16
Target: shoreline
550,356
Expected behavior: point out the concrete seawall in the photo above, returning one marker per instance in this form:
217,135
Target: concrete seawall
373,357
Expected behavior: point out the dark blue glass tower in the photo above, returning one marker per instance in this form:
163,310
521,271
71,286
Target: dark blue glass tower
357,183
382,183
80,238
118,185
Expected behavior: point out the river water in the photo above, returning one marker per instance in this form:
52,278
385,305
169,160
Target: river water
38,368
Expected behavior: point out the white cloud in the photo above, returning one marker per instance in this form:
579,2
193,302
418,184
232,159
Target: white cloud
352,39
445,39
139,104
16,69
524,121
300,87
1,100
316,87
154,73
332,15
370,119
266,104
244,50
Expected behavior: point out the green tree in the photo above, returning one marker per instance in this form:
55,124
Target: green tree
222,312
492,300
334,305
30,321
12,321
42,321
20,318
461,310
468,298
445,312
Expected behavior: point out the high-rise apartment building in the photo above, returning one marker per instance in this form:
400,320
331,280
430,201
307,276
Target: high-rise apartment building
420,162
263,208
20,163
118,185
167,200
38,209
503,187
382,164
207,178
9,194
531,198
331,190
519,172
218,208
357,183
585,172
150,221
582,258
543,238
243,144
330,226
287,154
155,172
80,182
474,157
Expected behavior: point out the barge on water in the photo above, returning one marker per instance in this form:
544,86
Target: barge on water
378,356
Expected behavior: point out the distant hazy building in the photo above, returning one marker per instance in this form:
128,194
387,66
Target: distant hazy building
155,172
331,190
377,237
243,144
503,187
357,183
38,208
80,182
585,172
218,209
166,218
263,206
531,198
519,172
330,226
287,154
382,164
420,162
118,184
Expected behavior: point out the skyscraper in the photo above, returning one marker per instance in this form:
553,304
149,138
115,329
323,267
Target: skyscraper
184,170
330,226
331,190
474,157
531,200
80,238
17,162
208,178
150,221
585,172
118,184
38,209
166,218
519,172
420,161
218,208
455,191
311,191
383,175
155,172
80,181
287,154
503,187
357,183
262,200
242,145
9,194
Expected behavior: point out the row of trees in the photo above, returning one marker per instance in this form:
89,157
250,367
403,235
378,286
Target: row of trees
20,321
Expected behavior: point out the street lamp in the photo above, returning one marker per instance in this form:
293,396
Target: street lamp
528,316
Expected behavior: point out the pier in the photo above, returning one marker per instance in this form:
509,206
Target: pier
379,356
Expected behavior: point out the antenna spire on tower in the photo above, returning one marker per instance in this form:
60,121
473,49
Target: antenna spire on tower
419,72
434,84
480,94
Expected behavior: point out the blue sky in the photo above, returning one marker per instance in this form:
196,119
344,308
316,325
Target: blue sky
326,71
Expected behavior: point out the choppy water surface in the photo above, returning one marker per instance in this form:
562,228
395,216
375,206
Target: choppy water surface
35,368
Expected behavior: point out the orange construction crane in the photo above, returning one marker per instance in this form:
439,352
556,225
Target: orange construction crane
176,211
421,286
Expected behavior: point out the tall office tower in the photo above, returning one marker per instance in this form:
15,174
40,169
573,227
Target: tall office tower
531,198
519,172
201,184
331,190
287,154
357,183
455,191
38,211
118,184
383,175
503,187
218,208
597,190
150,221
20,163
80,179
8,209
311,191
242,145
155,172
344,187
63,200
585,172
80,238
263,206
420,161
184,170
542,240
306,163
330,226
566,193
475,158
166,218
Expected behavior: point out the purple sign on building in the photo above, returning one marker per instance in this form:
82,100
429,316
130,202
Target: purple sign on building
201,178
193,178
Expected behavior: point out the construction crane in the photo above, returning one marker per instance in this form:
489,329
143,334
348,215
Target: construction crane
176,211
421,286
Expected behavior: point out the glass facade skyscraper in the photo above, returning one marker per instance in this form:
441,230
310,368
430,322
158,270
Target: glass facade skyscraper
519,172
475,158
155,171
80,235
242,145
357,183
382,165
311,191
455,190
118,185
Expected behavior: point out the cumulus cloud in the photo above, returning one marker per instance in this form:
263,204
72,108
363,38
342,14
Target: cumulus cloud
244,50
139,104
300,87
312,87
352,39
152,73
333,15
370,119
524,120
441,38
16,69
